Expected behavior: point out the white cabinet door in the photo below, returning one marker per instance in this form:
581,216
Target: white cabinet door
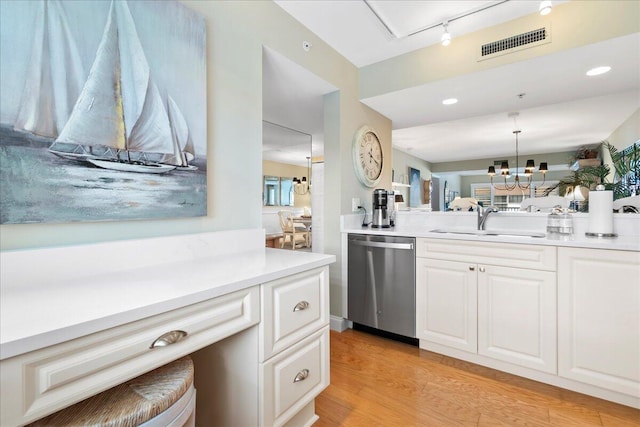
599,324
446,303
517,316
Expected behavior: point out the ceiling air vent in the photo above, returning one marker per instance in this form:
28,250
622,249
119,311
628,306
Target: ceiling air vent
514,43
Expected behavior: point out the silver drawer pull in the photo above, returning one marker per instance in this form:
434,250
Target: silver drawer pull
481,269
168,339
301,376
471,268
302,305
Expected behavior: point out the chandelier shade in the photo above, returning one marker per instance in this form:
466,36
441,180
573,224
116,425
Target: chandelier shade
529,168
301,186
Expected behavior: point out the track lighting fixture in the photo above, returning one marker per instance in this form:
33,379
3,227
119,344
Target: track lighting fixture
446,37
545,7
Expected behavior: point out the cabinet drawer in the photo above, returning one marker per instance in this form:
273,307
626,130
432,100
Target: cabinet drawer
292,308
536,257
50,379
294,378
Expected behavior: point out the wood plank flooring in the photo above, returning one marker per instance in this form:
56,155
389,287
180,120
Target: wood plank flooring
379,382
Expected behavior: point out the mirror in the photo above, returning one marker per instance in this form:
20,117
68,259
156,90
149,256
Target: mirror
286,164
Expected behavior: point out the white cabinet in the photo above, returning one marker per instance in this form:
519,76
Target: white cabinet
292,379
294,346
476,297
446,301
47,380
261,357
599,320
293,308
517,316
269,375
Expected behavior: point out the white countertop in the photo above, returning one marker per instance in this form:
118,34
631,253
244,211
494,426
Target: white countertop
421,224
625,243
39,309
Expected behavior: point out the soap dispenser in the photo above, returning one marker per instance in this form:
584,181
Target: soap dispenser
559,223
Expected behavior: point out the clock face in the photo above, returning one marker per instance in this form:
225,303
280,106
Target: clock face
367,156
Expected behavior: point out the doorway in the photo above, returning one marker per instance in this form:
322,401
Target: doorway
292,107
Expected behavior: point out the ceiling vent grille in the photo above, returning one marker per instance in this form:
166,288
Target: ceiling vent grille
514,43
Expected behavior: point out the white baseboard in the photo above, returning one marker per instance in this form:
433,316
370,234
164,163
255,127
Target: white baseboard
339,324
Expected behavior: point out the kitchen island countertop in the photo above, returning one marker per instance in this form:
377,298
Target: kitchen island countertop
52,295
422,224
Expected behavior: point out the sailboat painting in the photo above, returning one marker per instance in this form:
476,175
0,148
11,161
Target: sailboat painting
103,111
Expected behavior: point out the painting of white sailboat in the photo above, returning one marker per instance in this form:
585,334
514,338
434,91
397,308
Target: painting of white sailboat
131,131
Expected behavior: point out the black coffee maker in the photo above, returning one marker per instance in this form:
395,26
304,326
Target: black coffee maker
381,214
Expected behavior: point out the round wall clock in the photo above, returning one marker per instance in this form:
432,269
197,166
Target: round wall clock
367,156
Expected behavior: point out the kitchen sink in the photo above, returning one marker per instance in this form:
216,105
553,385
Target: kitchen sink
505,233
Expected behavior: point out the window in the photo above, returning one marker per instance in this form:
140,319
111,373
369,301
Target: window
286,191
277,191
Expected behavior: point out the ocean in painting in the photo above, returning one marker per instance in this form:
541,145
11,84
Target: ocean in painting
36,186
118,84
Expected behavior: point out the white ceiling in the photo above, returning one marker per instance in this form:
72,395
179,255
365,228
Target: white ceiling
561,110
351,28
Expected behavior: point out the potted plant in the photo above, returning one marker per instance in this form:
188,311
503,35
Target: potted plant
586,153
626,166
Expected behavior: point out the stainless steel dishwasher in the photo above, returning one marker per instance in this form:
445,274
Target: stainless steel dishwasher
381,283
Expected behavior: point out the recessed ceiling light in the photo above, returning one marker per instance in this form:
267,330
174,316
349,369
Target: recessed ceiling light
598,70
450,101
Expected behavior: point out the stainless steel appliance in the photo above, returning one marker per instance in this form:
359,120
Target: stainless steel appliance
381,283
381,214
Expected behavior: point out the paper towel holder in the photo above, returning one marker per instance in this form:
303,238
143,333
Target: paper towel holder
600,187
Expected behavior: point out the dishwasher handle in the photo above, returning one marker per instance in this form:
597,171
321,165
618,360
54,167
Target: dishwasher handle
387,245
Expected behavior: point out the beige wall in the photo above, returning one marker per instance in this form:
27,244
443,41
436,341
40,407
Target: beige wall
401,164
288,171
627,133
562,158
621,138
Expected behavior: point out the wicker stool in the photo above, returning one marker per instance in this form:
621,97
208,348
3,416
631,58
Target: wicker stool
163,397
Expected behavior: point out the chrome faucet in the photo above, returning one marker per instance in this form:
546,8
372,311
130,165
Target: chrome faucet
482,216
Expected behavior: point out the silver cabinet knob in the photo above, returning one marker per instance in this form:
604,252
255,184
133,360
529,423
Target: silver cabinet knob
302,305
169,338
481,269
301,376
472,268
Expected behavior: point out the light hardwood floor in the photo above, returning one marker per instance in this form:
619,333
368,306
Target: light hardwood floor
379,382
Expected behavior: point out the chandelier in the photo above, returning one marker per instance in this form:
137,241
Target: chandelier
528,169
302,186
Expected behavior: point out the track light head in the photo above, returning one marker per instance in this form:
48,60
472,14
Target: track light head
545,7
446,37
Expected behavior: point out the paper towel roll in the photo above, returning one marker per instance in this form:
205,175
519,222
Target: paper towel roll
601,212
